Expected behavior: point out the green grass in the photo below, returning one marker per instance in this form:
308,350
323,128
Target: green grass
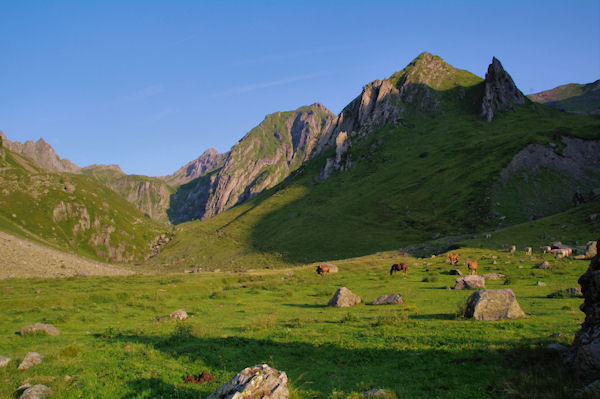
112,346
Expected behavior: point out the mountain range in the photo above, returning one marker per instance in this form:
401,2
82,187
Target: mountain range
432,151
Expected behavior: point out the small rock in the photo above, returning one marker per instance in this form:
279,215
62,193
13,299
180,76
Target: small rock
372,393
259,381
31,359
519,267
492,305
540,284
387,300
289,273
344,298
544,265
494,262
4,361
493,276
556,347
455,272
39,328
179,314
470,281
36,392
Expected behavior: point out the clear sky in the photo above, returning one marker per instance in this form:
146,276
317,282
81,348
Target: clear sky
150,85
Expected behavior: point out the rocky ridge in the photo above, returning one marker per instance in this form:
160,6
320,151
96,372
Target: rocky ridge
500,93
209,160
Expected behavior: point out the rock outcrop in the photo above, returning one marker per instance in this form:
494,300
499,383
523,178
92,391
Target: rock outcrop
500,93
209,160
585,353
344,298
259,381
471,281
492,305
41,153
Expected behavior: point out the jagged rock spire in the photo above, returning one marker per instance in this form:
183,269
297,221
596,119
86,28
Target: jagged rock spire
500,93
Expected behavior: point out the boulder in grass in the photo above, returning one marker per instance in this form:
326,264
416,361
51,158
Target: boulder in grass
4,361
493,276
544,265
39,328
259,381
492,305
179,314
31,359
471,281
36,392
390,299
344,298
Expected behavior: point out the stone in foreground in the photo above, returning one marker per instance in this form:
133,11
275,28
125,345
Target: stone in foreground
39,328
344,298
492,305
179,314
469,282
4,361
259,381
36,392
390,299
31,359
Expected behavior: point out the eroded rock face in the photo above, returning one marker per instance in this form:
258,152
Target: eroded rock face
585,353
500,93
492,305
39,328
344,298
209,160
469,282
259,381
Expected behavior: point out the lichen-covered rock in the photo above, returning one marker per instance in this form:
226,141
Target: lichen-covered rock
36,392
492,305
585,353
179,314
4,361
259,381
38,328
31,359
500,93
344,298
389,299
469,282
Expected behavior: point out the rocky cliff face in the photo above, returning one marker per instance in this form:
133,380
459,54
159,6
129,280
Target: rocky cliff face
263,158
41,153
206,162
500,93
419,86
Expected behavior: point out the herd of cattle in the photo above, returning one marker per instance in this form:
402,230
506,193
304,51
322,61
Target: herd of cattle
557,249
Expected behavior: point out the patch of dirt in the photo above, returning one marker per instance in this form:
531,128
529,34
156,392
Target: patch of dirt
23,259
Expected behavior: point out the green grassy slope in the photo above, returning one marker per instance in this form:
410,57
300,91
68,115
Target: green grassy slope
408,184
71,212
577,98
112,347
150,195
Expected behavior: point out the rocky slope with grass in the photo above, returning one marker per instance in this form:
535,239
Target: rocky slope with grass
573,97
209,160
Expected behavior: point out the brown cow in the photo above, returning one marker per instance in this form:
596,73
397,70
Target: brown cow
528,251
546,249
453,258
396,267
472,265
322,270
512,249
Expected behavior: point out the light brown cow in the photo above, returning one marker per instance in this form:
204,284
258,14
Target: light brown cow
452,258
322,270
512,249
472,265
562,252
528,251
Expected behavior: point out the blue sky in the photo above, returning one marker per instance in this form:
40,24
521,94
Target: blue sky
150,85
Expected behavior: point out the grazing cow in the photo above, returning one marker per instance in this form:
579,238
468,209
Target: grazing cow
546,249
472,265
396,267
562,252
528,251
453,258
512,249
322,270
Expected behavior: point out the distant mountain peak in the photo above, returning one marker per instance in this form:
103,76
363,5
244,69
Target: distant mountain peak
573,97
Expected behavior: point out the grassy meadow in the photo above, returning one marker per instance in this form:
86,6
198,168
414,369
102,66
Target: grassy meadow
111,346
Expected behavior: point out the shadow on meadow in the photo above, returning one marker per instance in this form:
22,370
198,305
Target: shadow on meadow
320,370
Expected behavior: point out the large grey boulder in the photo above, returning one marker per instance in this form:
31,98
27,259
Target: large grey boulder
260,381
4,361
31,359
471,281
36,392
492,305
344,298
389,299
39,328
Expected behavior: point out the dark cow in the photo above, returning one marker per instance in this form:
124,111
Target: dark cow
396,267
322,270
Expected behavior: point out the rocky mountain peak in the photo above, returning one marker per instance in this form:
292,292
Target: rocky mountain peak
500,92
209,160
